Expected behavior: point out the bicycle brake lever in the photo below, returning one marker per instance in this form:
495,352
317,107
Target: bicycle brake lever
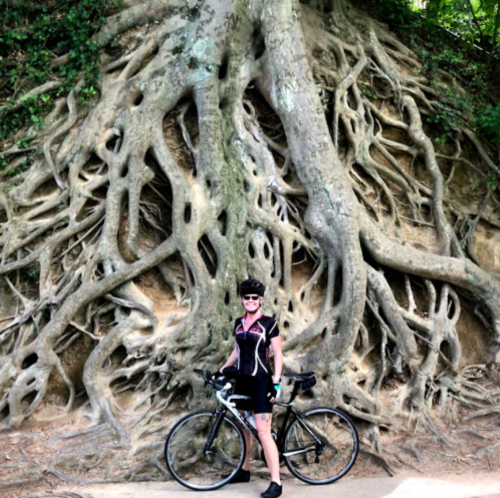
206,377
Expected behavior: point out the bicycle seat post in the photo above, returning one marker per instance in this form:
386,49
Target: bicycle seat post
295,391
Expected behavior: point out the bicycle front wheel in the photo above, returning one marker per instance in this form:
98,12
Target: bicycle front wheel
321,445
197,466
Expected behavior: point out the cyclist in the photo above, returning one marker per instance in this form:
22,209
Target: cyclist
254,334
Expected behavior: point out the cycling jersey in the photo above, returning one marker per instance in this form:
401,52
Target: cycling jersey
253,345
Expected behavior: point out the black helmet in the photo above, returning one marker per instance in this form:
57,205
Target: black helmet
252,286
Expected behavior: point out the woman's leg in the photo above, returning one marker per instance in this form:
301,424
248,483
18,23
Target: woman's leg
249,441
263,423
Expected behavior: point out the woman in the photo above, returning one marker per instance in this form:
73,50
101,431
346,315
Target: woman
254,333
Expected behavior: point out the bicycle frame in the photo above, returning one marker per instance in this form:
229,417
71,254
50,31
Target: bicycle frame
221,413
229,405
307,441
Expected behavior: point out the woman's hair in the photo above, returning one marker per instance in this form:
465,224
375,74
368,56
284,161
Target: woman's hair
252,286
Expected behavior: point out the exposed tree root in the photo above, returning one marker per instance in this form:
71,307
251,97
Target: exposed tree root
239,139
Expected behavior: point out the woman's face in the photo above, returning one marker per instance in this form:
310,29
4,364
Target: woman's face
251,302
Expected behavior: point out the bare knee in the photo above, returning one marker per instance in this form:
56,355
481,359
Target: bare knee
264,435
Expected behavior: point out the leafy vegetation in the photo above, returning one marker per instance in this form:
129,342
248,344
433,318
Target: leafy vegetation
476,22
44,41
489,123
462,38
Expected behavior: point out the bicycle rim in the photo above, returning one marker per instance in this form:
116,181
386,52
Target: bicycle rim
321,464
191,465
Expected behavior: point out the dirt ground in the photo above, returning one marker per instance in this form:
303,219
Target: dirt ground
468,486
467,451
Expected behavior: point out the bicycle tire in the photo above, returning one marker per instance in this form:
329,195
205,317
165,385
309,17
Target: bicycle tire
185,457
331,426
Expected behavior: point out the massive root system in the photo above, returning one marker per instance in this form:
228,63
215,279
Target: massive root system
236,138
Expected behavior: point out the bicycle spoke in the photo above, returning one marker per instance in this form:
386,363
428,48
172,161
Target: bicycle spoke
334,446
186,457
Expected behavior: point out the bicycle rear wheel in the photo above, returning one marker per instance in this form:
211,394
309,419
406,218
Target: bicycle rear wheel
187,457
321,446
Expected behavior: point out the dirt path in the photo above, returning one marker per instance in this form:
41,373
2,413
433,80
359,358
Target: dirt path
485,485
459,462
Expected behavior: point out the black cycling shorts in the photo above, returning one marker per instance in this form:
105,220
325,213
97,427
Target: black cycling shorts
259,389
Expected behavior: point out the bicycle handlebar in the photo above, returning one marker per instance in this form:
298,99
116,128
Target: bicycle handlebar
217,380
219,395
220,391
221,383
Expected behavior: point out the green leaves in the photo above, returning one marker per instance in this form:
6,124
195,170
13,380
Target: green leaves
438,49
454,32
24,143
492,180
31,112
488,122
34,34
488,6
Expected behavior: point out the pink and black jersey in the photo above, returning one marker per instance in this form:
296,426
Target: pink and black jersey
253,345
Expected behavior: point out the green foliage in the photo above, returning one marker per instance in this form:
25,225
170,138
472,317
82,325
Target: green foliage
473,21
3,163
447,117
450,35
492,180
33,35
366,90
31,112
33,272
6,171
439,49
399,14
488,122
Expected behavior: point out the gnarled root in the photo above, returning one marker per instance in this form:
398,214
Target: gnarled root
212,157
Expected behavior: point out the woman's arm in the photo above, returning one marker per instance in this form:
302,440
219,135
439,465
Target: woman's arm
278,358
233,358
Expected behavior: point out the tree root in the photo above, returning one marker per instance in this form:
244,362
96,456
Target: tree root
229,143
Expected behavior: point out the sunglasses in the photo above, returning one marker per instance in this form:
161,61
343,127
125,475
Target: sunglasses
253,297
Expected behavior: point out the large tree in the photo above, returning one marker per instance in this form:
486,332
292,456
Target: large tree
280,140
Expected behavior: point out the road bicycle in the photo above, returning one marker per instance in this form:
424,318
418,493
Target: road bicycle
205,449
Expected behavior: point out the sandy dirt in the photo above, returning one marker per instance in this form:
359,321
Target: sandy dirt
470,485
459,461
466,486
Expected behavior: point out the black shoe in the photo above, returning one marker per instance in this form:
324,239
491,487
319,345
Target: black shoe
241,476
273,491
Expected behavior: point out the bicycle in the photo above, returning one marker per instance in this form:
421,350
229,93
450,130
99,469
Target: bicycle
205,449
